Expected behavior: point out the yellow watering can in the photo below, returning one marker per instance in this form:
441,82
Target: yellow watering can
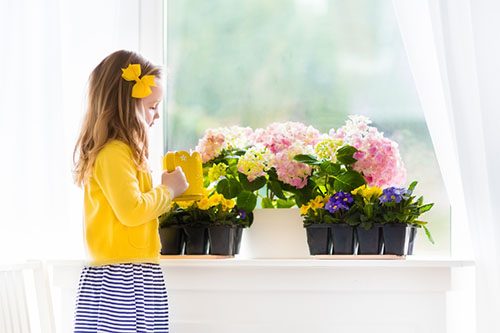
191,165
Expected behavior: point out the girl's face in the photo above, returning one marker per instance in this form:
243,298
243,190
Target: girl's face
149,108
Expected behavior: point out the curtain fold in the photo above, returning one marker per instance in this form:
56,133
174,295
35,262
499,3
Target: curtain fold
449,45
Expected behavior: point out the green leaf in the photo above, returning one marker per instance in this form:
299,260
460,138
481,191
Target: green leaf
229,188
353,219
345,155
348,181
426,208
427,232
412,186
275,187
255,185
368,209
329,219
247,201
330,168
267,203
306,159
419,223
285,203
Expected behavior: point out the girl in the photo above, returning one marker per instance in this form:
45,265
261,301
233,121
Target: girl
122,290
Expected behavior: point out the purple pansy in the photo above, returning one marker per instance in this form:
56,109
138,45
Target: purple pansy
339,200
394,194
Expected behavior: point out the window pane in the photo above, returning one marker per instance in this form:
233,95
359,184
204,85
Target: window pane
254,62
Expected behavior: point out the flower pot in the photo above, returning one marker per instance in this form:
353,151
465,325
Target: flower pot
318,239
395,238
221,239
196,240
342,238
275,234
412,239
369,241
172,240
238,232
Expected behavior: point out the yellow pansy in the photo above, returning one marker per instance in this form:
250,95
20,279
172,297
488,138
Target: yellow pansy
185,204
203,203
304,209
368,193
227,204
318,202
215,199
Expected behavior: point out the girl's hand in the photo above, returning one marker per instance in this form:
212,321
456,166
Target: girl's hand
175,181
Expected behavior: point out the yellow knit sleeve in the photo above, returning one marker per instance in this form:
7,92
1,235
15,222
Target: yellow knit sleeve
116,173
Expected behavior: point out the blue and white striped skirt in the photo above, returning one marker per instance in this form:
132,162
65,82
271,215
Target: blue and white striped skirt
122,298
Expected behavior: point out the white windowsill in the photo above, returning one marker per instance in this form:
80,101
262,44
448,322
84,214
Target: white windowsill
409,262
413,262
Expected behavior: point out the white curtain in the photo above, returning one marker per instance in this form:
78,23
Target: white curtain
48,49
454,52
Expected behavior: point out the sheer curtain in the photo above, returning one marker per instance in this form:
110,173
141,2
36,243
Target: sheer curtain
454,53
48,51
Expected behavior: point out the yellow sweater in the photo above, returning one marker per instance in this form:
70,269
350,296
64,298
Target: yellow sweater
122,209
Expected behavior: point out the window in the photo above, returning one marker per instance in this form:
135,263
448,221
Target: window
315,61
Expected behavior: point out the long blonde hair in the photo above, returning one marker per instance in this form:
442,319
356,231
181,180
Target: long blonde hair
112,113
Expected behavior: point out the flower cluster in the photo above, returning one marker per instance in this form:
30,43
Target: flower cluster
281,136
326,149
215,200
254,163
216,140
395,194
338,201
290,171
216,171
284,141
378,158
314,204
369,194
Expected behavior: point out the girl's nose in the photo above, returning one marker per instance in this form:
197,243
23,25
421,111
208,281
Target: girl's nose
157,115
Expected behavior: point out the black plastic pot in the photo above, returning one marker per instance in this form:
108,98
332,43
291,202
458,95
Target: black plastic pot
395,238
196,240
369,241
221,239
318,239
172,240
342,238
412,238
238,232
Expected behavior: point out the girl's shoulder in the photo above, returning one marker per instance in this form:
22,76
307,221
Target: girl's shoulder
114,147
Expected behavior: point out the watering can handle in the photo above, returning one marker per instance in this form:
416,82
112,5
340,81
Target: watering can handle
170,162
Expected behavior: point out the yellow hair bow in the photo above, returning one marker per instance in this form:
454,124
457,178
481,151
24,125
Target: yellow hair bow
141,87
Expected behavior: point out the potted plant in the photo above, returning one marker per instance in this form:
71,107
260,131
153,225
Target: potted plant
317,228
207,226
367,210
171,233
400,211
332,179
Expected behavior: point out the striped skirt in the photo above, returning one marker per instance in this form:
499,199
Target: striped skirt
122,298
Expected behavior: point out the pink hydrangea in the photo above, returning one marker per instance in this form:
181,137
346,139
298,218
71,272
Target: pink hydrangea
378,159
216,140
290,171
284,141
279,136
